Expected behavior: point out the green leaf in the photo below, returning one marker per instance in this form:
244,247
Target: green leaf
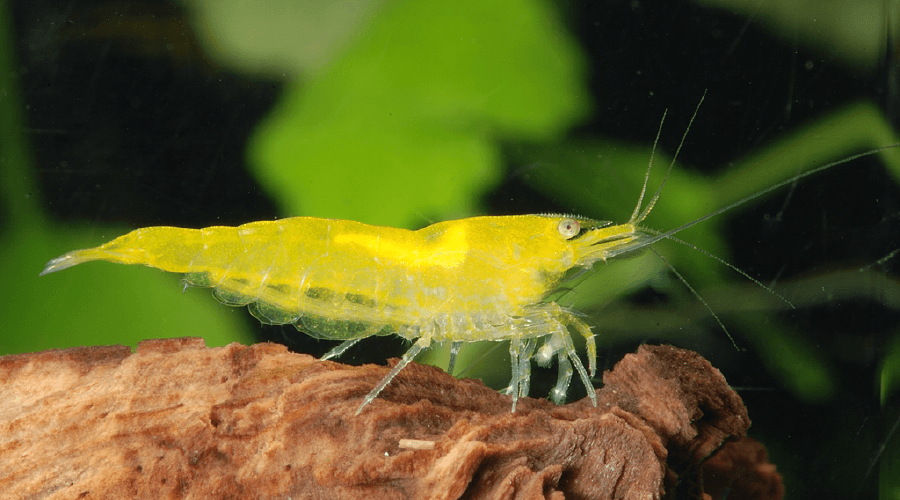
409,119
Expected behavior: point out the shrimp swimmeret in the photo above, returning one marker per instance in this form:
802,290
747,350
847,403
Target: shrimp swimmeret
467,280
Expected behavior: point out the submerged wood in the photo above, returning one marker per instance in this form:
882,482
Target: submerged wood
178,419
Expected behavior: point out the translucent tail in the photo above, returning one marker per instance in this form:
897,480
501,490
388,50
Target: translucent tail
76,257
167,248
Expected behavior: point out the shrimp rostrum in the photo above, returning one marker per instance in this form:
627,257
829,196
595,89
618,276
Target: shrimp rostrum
474,279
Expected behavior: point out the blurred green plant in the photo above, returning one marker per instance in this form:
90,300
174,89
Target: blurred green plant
852,30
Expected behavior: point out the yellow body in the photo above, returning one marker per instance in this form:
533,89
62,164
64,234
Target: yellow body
481,278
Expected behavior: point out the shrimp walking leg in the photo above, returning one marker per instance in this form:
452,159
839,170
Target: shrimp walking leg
340,349
563,378
520,361
423,343
525,361
553,318
589,341
454,351
565,369
515,350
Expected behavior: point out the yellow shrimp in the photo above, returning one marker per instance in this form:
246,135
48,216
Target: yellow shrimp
481,278
467,280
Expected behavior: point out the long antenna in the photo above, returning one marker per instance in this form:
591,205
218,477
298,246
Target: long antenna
637,208
655,198
667,234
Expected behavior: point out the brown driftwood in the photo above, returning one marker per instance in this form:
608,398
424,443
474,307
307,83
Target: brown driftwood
178,419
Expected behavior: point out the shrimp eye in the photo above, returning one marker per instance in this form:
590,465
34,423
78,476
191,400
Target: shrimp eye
569,228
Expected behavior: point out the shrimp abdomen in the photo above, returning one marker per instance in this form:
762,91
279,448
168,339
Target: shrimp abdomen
297,270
